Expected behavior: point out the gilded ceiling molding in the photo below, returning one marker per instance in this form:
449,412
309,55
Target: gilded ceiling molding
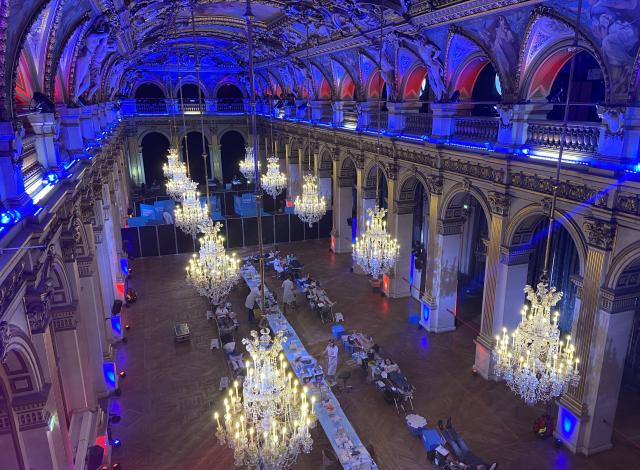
49,71
4,18
71,83
16,56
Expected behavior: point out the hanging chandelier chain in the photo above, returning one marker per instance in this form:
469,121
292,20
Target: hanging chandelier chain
254,134
201,106
184,119
378,137
563,133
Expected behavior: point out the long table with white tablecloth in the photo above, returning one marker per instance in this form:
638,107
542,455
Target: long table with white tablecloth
344,440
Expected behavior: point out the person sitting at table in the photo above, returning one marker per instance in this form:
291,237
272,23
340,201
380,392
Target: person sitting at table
288,297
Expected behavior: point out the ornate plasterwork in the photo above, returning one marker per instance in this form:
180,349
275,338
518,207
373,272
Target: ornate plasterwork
11,285
38,307
5,337
566,190
49,70
600,233
499,203
464,167
628,202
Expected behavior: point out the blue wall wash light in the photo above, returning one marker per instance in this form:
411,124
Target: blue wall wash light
425,313
124,266
10,217
51,178
116,324
109,371
567,423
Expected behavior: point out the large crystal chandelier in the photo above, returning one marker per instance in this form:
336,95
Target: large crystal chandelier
215,276
212,244
310,206
179,185
191,215
267,423
214,273
533,360
274,181
247,165
375,251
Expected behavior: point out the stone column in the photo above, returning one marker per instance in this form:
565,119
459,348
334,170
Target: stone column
136,167
631,141
44,127
601,333
400,223
444,122
70,131
498,283
58,431
40,432
320,110
342,210
367,114
398,114
12,192
441,298
301,109
295,175
102,116
614,322
11,445
86,124
72,368
510,279
95,117
339,108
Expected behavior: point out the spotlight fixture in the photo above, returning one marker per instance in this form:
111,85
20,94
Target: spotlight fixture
123,374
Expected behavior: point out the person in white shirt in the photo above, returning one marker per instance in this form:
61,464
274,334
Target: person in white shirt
288,297
250,302
332,359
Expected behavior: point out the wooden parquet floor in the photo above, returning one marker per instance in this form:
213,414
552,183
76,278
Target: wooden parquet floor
171,390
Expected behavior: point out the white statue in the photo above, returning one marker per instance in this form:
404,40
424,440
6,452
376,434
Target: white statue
435,72
83,62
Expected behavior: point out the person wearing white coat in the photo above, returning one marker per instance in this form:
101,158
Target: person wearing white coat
332,359
288,297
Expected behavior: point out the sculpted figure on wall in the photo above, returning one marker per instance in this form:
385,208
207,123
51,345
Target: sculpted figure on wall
615,23
95,39
429,54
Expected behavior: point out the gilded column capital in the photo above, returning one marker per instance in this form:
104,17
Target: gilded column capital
600,233
499,203
435,184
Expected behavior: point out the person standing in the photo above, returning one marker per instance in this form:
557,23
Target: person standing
332,360
288,297
250,302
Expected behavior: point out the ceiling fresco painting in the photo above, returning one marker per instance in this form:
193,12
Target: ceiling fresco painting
93,50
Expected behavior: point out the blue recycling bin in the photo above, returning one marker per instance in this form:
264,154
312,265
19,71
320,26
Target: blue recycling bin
431,439
337,331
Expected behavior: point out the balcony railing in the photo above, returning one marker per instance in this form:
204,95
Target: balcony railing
192,108
229,107
579,137
418,124
151,107
480,129
350,119
374,125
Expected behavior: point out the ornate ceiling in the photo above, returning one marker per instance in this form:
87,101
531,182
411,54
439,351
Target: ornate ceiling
95,49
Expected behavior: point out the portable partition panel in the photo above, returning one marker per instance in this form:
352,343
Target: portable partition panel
167,239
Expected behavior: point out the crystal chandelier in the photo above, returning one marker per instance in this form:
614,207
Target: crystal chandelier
246,165
375,251
311,205
211,244
180,185
274,181
191,215
215,276
267,423
534,361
